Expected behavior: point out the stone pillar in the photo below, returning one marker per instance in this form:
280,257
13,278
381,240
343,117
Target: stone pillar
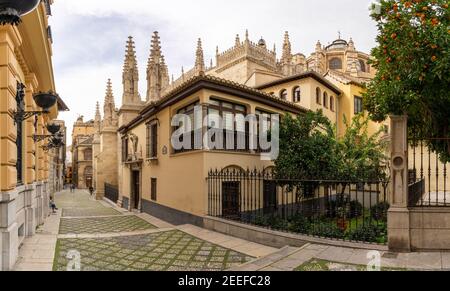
106,161
398,215
9,41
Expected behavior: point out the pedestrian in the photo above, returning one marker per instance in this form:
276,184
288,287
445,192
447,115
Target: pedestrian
91,190
53,205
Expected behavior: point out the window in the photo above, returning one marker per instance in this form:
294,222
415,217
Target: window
124,149
152,140
283,94
267,125
318,96
196,132
154,195
297,95
332,103
325,99
19,124
87,154
358,105
235,131
335,64
48,8
362,65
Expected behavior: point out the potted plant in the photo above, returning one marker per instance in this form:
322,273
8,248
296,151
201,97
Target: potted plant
341,214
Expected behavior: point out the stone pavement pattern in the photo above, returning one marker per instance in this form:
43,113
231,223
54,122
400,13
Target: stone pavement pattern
108,238
170,250
339,258
112,224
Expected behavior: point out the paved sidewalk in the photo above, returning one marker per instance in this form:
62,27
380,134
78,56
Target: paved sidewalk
226,241
109,238
337,258
38,252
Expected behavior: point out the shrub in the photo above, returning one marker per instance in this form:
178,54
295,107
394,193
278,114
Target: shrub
299,224
379,211
278,223
327,230
369,233
365,234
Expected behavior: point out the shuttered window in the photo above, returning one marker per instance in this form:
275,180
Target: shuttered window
152,141
154,195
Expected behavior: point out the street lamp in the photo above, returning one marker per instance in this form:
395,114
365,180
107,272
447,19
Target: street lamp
54,143
43,100
12,10
53,129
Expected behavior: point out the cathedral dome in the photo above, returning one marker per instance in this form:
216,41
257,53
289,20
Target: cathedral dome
262,42
337,45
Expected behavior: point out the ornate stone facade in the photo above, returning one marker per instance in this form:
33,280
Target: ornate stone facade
105,137
82,153
248,65
25,167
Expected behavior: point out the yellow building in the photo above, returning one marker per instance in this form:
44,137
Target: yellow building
169,182
154,177
25,66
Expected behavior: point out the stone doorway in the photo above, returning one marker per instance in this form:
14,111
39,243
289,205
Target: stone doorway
135,190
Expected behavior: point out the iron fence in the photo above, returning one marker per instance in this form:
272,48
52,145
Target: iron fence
428,173
345,210
111,192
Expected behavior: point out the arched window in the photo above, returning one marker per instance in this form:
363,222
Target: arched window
297,93
318,96
362,64
335,64
283,94
331,103
325,99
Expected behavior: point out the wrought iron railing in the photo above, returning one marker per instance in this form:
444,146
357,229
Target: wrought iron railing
428,173
345,210
111,192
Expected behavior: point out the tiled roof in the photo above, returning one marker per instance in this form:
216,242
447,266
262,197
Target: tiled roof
309,74
224,82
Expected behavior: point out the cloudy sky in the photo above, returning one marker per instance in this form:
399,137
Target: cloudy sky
90,35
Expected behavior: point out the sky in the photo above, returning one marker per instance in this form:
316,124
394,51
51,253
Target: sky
90,36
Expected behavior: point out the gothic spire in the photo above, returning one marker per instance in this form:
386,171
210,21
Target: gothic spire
157,72
130,56
287,48
130,75
238,40
109,108
155,51
109,97
318,46
351,44
199,60
98,117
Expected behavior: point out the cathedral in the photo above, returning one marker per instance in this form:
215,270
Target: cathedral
248,63
132,152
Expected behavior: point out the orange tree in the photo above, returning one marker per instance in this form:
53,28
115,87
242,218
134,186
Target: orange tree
413,68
